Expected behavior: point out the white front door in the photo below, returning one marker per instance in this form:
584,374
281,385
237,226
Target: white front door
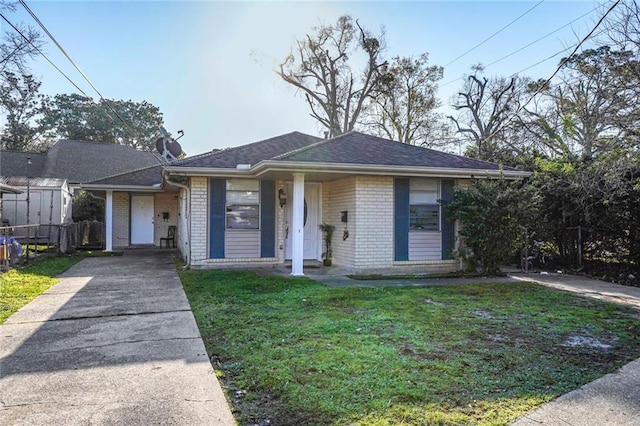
142,219
312,215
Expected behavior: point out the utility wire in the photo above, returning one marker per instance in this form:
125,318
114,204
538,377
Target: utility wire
44,56
16,29
44,28
529,45
548,58
548,80
488,38
541,38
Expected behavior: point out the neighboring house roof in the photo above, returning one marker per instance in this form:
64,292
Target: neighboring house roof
77,161
21,181
81,161
14,163
250,154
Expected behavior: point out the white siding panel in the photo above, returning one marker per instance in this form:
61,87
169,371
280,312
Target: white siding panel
425,246
241,243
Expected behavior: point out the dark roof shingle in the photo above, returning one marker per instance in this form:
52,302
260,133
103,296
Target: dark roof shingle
252,153
14,163
359,148
147,176
81,161
77,161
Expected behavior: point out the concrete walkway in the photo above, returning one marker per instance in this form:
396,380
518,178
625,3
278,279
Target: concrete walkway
113,343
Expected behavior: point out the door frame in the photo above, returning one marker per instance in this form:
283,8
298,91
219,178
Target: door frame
152,225
287,213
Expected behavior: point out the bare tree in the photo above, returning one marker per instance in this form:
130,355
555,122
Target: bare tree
487,107
593,108
336,94
622,28
403,109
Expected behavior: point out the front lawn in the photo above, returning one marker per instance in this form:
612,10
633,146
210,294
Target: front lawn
294,352
19,286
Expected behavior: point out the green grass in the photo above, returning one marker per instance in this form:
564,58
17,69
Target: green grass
19,286
296,352
457,274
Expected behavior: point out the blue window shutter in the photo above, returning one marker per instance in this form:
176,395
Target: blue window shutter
401,219
448,226
268,218
217,203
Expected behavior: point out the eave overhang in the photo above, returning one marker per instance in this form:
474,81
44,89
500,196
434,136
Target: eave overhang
269,166
129,188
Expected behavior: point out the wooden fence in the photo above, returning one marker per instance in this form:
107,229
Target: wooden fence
64,238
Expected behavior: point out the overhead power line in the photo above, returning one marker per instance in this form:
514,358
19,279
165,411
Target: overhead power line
529,45
557,70
64,52
16,29
491,36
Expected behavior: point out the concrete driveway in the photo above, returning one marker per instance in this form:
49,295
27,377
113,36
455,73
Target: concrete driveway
113,343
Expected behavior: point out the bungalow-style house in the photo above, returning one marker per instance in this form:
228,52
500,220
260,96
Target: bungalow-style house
261,204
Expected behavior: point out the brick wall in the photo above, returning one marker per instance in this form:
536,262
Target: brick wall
164,202
373,232
337,196
120,233
199,220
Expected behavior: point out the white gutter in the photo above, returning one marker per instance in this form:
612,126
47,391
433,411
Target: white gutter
188,213
380,169
367,169
136,188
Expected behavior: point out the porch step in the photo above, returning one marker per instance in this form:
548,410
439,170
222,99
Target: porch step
309,263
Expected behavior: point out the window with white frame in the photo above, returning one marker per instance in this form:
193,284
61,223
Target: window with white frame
243,204
424,210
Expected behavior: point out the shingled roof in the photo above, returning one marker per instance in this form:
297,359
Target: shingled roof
350,148
252,153
77,161
81,161
359,148
14,163
147,176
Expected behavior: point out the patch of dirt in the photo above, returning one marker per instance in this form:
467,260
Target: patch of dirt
414,352
432,302
482,314
574,340
256,408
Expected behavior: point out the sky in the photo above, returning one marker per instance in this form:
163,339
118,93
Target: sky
210,66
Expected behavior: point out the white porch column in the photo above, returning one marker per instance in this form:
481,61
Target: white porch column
297,225
108,220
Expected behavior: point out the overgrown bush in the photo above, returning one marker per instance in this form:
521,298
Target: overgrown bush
492,214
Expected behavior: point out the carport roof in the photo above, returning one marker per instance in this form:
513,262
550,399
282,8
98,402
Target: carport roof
144,177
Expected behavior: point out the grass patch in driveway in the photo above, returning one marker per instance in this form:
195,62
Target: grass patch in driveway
20,286
295,352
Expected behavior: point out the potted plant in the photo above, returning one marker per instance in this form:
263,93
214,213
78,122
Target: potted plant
327,234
